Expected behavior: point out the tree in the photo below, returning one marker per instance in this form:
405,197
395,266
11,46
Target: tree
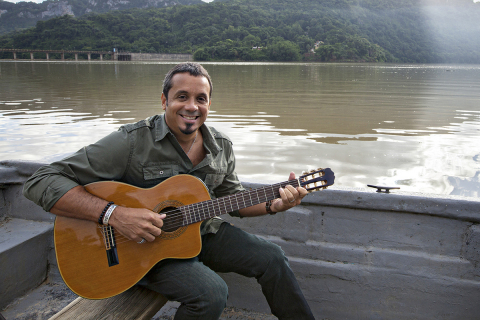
283,50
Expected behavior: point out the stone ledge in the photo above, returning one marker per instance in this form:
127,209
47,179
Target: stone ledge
24,247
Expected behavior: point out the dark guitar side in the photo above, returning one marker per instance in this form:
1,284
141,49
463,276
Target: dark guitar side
80,249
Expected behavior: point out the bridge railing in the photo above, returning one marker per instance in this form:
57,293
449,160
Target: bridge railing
62,53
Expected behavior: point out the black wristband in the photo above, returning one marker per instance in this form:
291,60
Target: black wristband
100,219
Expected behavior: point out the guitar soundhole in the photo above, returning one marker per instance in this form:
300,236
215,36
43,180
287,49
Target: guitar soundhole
173,220
172,224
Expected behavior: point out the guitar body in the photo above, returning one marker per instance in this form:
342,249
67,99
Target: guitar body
80,245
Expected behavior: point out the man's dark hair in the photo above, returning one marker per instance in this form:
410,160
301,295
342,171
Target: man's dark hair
192,68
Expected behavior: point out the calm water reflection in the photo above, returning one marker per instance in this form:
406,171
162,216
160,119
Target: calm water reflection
413,126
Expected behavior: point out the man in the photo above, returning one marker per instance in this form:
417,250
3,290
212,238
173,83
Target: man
147,152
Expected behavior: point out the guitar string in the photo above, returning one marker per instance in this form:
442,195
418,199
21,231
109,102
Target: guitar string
208,205
233,202
205,208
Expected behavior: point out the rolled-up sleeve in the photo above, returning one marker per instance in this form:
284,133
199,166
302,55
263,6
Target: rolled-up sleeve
106,159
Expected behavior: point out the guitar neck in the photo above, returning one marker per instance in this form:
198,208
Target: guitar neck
208,209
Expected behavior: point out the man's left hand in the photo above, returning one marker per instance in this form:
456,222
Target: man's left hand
289,197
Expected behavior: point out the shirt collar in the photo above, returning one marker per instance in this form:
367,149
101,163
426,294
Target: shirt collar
161,131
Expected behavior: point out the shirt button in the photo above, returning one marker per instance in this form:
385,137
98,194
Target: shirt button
161,172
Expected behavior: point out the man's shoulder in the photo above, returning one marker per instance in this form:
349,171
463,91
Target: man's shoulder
218,134
150,122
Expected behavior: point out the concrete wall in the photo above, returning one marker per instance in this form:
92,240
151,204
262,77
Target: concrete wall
357,254
12,202
365,255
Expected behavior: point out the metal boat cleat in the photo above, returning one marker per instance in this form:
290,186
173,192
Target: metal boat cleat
382,188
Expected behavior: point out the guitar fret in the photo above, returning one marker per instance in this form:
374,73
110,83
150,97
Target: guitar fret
236,202
208,204
191,212
204,209
207,213
194,208
224,210
217,204
198,212
215,207
221,207
228,207
186,215
235,205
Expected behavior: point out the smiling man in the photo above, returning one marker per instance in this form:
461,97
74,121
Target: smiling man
150,151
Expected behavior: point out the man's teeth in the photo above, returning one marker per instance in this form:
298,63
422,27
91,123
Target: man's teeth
189,118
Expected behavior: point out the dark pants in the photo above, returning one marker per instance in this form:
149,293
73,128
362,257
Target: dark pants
203,294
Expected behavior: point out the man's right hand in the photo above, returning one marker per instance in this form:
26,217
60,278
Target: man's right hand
134,223
137,224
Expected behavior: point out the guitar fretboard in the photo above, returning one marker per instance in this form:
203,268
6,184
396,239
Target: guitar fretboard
208,209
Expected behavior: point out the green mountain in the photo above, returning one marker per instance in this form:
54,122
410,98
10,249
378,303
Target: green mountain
21,15
419,31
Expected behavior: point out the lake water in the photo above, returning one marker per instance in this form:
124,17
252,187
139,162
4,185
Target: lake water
412,126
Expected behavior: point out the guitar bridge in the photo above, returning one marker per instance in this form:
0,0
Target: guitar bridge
110,246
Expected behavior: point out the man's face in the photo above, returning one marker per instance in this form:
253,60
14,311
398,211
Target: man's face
188,103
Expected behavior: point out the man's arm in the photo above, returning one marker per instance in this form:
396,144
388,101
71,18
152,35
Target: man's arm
105,160
58,187
133,223
289,198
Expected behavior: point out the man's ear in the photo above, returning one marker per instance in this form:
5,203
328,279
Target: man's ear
164,101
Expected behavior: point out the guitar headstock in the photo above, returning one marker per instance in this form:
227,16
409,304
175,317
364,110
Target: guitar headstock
314,180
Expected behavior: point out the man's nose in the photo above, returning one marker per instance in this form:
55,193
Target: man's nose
191,105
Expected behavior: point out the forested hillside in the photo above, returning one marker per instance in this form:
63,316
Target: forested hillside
21,15
422,31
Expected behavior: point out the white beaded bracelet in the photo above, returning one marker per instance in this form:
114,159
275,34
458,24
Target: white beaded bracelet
108,214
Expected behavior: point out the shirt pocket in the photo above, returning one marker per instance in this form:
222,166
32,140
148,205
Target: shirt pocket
213,180
159,170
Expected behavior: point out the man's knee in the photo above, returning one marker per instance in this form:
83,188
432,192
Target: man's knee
275,255
217,295
209,301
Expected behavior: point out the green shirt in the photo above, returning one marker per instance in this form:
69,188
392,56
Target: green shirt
142,154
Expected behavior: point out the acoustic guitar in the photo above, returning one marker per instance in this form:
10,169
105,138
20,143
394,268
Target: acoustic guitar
97,263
